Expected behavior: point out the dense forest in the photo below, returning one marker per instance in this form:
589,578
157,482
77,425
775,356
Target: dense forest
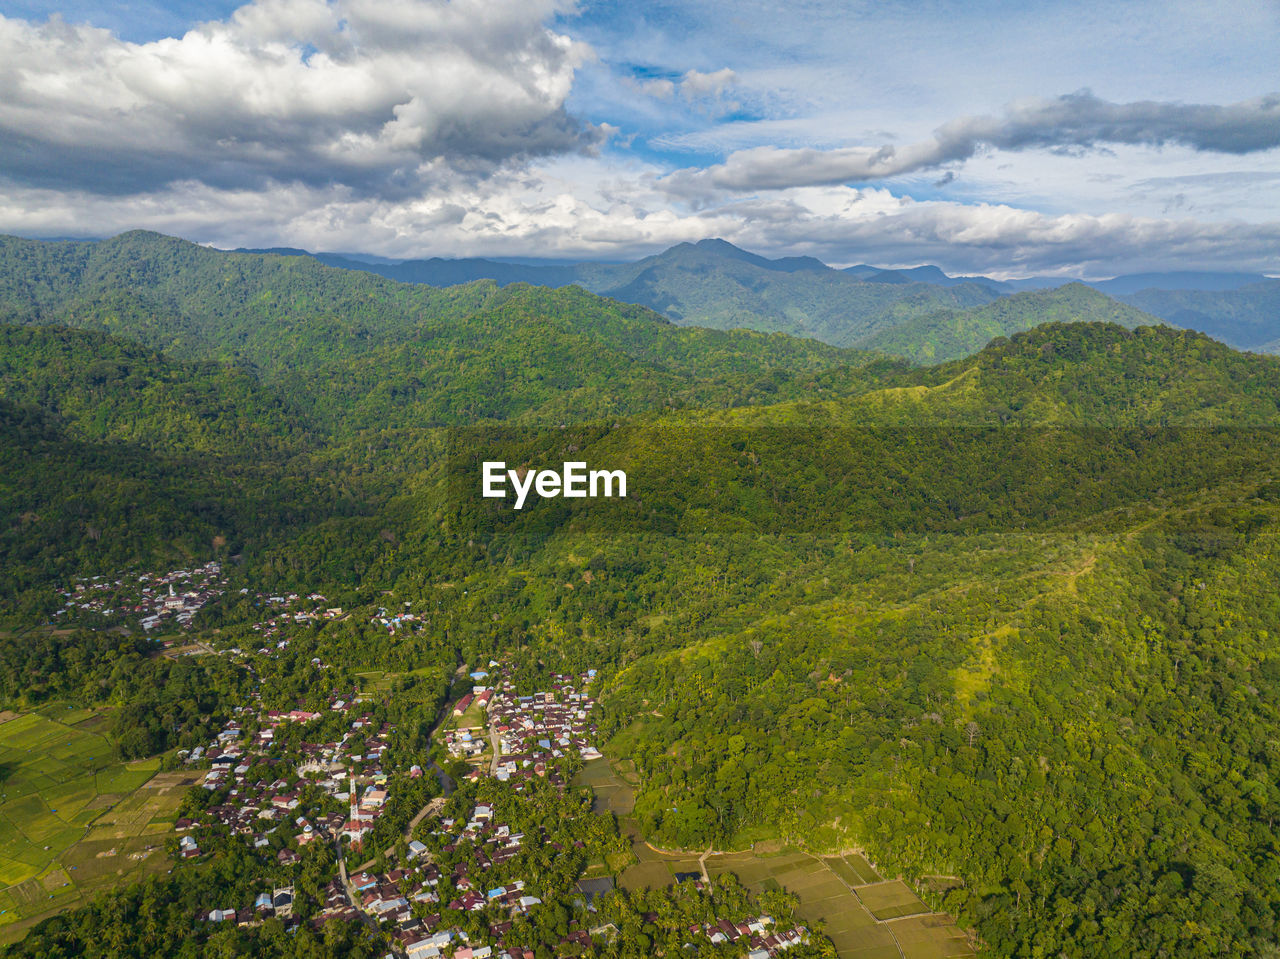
953,334
1009,619
713,283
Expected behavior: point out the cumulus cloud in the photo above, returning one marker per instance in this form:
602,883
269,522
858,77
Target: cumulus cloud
561,212
371,94
850,226
445,127
1075,121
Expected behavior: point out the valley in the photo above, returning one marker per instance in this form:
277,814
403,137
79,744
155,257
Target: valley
916,661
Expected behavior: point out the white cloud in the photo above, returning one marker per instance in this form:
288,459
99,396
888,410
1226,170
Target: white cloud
695,85
450,127
1078,120
373,94
660,89
582,208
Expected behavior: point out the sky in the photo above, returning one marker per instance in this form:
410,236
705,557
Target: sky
985,136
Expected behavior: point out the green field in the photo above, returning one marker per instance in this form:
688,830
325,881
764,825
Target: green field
891,900
73,820
612,793
473,718
865,916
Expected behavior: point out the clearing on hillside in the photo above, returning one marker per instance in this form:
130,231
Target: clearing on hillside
830,889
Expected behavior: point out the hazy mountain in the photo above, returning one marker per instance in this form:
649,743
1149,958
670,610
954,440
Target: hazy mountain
713,283
951,334
1186,280
1247,317
921,274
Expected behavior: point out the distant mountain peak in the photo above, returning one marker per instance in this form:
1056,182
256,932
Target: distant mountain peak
719,245
723,248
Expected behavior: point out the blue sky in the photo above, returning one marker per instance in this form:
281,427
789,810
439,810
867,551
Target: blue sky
1075,138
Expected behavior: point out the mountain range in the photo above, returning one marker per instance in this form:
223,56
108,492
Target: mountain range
1005,620
713,283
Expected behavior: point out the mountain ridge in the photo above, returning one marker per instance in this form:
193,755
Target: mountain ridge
951,334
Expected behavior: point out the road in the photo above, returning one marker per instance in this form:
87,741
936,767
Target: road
430,809
447,785
346,886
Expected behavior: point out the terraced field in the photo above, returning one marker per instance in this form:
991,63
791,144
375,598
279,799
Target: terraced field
866,916
74,820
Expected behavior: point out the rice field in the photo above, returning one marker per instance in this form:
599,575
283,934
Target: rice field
865,915
612,794
73,819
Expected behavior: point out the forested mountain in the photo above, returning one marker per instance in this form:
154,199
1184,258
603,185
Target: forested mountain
1008,619
951,334
1246,317
713,283
353,349
921,316
221,305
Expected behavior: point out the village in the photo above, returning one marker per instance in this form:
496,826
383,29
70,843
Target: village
341,775
161,603
292,609
474,873
148,601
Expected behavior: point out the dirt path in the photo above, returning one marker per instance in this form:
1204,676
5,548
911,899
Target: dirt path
496,746
702,864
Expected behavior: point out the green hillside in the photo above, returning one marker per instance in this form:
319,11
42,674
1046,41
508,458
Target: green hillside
355,350
1005,624
950,334
1080,374
107,388
713,284
71,506
1027,656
